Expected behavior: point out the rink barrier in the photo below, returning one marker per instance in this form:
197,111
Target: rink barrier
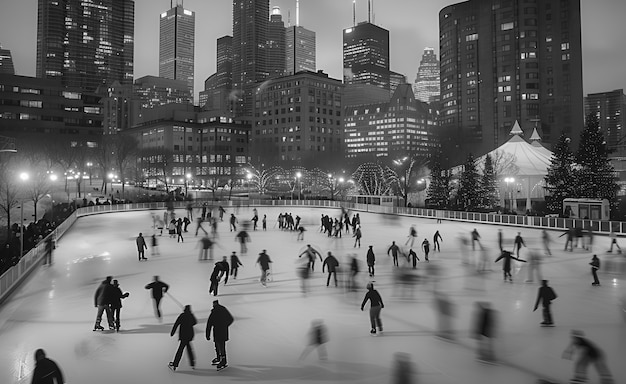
11,279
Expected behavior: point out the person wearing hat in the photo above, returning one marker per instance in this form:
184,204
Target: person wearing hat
376,304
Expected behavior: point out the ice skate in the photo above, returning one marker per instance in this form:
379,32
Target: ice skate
222,365
215,361
171,366
98,327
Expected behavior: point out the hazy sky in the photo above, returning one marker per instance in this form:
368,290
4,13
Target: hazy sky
412,24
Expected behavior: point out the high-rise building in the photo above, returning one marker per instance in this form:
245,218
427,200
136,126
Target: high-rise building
366,55
86,44
610,108
276,44
300,52
152,91
426,86
6,62
176,45
218,87
225,62
250,36
507,61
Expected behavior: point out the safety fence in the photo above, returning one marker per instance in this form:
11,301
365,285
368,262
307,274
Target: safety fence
12,278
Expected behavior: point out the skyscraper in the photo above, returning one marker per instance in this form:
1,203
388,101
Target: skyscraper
85,43
250,36
176,45
610,108
6,62
300,52
426,86
276,44
366,55
504,62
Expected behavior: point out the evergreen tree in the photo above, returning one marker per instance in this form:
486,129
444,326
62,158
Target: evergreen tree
560,177
488,189
594,174
438,193
469,191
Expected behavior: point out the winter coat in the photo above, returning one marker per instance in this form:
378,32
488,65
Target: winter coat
332,263
219,320
105,294
117,297
141,243
46,371
371,259
186,321
158,288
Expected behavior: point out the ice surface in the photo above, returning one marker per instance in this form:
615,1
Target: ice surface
54,308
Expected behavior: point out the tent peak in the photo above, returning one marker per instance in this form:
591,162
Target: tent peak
516,130
535,136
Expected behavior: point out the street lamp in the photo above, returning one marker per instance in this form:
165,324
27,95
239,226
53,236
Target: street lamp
187,178
298,176
111,177
24,176
89,165
248,177
508,181
421,185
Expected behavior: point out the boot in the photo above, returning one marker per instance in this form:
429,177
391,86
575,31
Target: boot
222,364
98,327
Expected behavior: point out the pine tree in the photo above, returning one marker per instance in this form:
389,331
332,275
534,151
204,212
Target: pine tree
468,193
488,190
560,175
594,174
438,193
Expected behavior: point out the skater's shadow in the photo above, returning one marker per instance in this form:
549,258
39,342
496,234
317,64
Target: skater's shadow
150,328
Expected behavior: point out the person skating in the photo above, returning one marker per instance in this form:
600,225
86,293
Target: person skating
412,236
179,231
311,252
413,259
394,249
199,221
102,300
588,353
243,238
534,266
484,330
186,223
141,247
518,243
154,250
595,266
545,295
46,370
219,320
475,238
506,266
220,269
222,211
317,338
48,251
116,304
500,240
357,235
234,264
206,248
332,264
436,238
426,248
255,221
376,304
371,261
233,222
185,321
613,238
264,261
545,238
158,288
301,231
264,222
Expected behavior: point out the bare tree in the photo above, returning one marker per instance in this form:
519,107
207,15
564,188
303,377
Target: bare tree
503,164
406,170
8,193
263,177
157,163
37,188
372,179
124,149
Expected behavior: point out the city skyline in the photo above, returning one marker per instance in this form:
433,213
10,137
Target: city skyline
411,30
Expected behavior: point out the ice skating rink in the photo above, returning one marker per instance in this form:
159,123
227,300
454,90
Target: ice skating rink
54,309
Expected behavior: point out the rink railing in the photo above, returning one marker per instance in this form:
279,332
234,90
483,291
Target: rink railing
12,278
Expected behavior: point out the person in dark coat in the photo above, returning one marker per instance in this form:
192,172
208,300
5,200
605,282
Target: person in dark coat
413,258
233,222
317,338
332,264
475,238
426,248
311,252
234,264
102,300
436,238
206,248
48,248
46,371
219,321
185,321
588,353
376,304
506,266
371,261
243,237
116,304
518,243
179,230
220,269
357,234
264,261
545,295
141,247
484,330
158,289
595,265
394,249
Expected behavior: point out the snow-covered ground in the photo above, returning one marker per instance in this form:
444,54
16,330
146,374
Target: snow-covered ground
54,308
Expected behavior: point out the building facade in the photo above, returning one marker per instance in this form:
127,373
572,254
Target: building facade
217,94
503,61
85,44
610,108
276,44
300,50
366,55
426,86
403,126
298,121
6,62
152,91
176,45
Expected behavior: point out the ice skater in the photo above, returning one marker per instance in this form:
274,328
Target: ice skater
301,231
394,249
116,304
484,331
613,238
220,269
219,320
426,248
243,238
357,235
185,321
264,262
545,295
534,266
518,243
46,370
206,248
371,261
199,221
154,246
588,353
413,259
234,265
376,305
102,300
475,238
141,247
318,336
332,264
158,288
264,222
311,252
436,238
545,238
595,266
506,265
179,231
233,222
412,236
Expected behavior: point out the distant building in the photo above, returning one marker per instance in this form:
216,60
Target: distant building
504,62
176,45
389,130
426,86
152,91
182,145
610,108
395,79
119,108
359,94
276,44
366,55
218,88
298,121
85,44
300,50
6,62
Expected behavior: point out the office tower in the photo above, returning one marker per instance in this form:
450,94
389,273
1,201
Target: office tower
250,35
276,44
610,108
291,128
176,45
225,62
85,43
218,87
366,55
504,62
426,86
6,62
300,55
152,91
395,79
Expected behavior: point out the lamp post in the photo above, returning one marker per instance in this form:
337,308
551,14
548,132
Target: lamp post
89,165
298,176
421,185
187,178
111,176
508,181
248,178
